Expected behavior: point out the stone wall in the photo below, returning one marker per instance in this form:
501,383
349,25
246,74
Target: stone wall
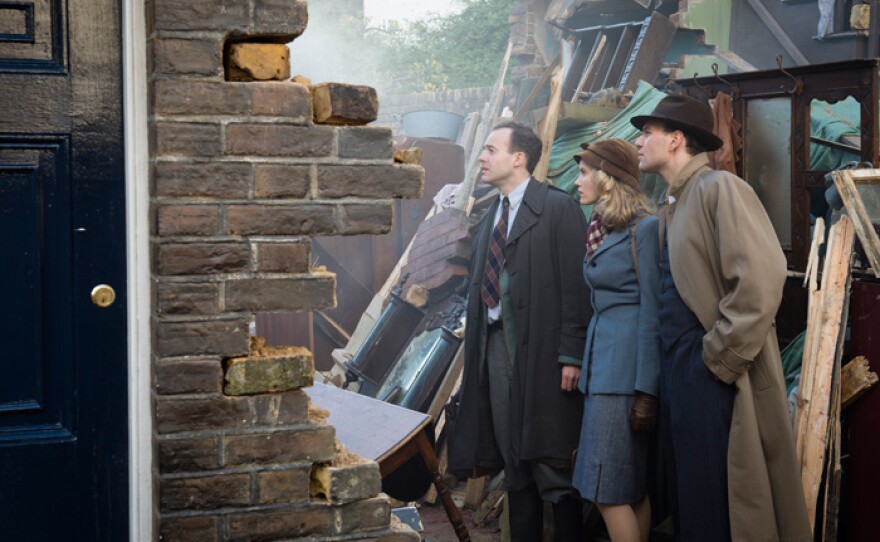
241,176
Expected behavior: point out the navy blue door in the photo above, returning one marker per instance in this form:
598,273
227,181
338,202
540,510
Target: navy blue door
63,362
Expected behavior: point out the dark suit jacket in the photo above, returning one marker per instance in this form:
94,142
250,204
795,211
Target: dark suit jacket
546,312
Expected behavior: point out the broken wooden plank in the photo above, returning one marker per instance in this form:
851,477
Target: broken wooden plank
648,52
813,441
598,49
548,128
496,494
811,340
545,77
855,206
856,379
475,492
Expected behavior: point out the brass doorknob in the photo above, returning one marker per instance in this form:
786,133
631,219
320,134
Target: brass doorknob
103,295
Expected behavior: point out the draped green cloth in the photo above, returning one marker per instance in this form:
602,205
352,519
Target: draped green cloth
563,170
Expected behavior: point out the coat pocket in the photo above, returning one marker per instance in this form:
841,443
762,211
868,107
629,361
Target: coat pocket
758,374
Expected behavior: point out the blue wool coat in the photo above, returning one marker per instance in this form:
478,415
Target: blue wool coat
622,353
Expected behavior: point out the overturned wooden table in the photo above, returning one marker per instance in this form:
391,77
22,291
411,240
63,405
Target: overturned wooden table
387,434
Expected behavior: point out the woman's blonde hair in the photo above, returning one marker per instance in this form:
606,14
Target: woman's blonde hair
618,202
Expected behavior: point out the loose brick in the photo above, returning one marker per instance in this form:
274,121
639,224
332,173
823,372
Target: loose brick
189,455
306,219
284,257
350,483
248,375
190,529
286,140
227,15
367,218
179,97
260,526
287,17
312,442
282,181
341,103
187,298
203,258
365,142
284,486
310,292
366,515
225,338
188,139
205,493
203,375
412,155
370,181
188,57
207,180
188,220
180,414
289,100
258,62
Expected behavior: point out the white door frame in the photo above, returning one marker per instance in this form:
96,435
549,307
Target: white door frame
137,204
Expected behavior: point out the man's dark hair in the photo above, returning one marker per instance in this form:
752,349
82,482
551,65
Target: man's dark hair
691,145
523,139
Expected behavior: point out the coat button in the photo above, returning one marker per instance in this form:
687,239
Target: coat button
592,264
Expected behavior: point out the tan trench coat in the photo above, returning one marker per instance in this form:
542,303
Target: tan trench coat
729,269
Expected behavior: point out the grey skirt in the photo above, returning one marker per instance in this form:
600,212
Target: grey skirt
612,459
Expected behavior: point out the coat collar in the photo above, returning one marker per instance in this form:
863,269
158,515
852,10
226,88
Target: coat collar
698,162
531,208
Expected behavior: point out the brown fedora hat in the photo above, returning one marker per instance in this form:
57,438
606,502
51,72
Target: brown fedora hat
687,114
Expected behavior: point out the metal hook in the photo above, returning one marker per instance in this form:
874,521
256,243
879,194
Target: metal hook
798,84
733,89
706,90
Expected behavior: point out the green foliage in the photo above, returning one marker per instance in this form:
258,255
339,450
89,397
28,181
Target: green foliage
455,51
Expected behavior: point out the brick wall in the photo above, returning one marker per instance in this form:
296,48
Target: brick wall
242,175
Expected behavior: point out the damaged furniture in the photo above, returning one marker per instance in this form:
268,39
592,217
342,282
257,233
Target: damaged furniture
388,434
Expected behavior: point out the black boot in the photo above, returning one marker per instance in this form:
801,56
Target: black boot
526,515
568,520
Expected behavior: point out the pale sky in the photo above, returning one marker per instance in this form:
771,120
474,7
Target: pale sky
384,10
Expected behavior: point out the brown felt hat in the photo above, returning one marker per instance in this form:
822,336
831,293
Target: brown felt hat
691,116
615,157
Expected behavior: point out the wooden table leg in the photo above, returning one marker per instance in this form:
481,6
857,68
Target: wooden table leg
452,511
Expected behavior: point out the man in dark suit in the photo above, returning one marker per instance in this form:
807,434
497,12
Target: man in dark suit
524,341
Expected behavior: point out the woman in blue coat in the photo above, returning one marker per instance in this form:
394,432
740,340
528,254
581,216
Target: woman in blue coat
620,374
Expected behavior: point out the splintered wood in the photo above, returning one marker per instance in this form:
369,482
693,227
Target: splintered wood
816,411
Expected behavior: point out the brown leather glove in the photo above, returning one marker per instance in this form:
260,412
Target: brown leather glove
643,416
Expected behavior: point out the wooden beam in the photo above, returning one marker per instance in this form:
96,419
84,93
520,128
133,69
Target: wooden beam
855,206
778,33
548,128
597,53
813,441
545,76
475,492
856,378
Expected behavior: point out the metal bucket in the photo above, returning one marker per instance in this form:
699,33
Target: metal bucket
434,124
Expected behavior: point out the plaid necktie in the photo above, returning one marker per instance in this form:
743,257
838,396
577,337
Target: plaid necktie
491,292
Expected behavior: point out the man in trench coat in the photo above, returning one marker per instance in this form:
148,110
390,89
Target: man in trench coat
722,389
519,406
